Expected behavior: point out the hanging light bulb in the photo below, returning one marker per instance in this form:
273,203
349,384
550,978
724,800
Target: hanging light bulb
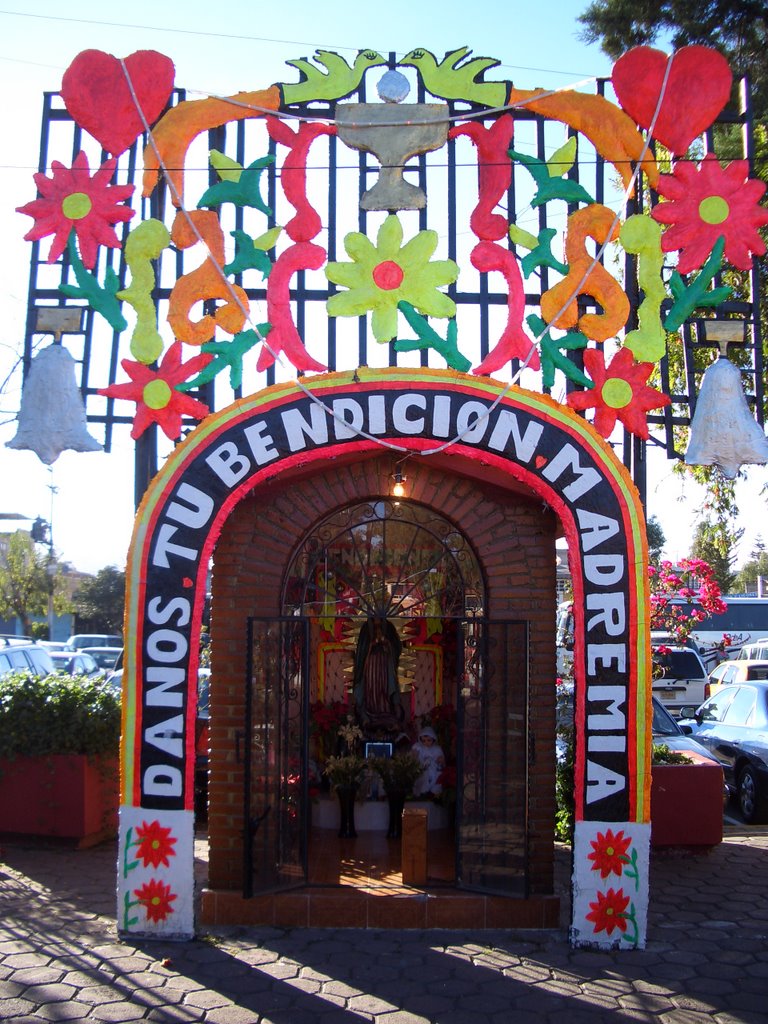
398,487
723,431
52,414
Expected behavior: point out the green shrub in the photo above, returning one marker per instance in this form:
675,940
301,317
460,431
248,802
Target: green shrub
57,715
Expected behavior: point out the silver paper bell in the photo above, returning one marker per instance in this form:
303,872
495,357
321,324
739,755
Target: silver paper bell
52,414
723,431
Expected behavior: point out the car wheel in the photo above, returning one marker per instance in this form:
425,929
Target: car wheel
749,803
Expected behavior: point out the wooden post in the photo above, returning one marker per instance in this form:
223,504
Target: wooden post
414,846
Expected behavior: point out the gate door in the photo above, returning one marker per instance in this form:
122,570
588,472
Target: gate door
275,788
493,757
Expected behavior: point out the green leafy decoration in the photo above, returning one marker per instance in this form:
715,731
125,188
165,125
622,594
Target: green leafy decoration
248,256
429,338
227,354
541,254
548,186
553,353
695,295
243,190
103,300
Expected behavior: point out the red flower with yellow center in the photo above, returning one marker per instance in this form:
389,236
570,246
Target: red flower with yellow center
156,898
620,392
155,844
155,394
72,200
609,852
707,203
608,912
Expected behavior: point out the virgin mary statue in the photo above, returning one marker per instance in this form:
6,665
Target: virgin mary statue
375,687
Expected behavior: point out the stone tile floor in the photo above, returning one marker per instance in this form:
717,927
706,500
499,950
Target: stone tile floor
706,958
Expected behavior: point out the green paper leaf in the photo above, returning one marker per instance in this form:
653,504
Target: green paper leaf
103,300
429,338
553,353
689,298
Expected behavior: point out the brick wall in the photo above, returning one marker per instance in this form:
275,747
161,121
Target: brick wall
513,534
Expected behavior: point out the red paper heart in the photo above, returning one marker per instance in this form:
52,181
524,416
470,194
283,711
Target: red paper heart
540,461
96,93
698,88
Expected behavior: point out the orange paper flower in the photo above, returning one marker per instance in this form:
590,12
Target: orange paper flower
608,912
156,898
620,392
156,844
155,394
72,200
609,852
706,203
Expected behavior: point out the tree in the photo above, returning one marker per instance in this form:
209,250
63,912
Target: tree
656,540
756,566
709,545
23,581
101,600
737,28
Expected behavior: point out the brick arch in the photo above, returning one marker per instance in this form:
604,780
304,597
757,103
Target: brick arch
513,537
503,438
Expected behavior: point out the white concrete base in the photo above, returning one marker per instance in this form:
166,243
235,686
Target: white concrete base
373,815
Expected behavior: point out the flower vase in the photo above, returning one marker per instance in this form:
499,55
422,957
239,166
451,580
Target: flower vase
396,800
346,796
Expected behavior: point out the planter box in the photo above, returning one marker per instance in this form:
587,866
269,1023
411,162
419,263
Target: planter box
68,796
687,803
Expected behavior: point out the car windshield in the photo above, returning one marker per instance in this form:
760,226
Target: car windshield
679,664
104,659
663,723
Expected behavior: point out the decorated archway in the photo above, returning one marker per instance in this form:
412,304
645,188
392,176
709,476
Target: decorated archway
526,438
495,181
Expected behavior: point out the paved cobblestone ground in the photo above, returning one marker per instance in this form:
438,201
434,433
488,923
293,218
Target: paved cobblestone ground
706,960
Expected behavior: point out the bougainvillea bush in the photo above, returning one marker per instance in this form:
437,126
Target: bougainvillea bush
682,596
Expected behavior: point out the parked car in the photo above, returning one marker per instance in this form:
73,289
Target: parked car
76,663
679,677
52,645
105,657
733,725
664,728
757,650
201,742
80,640
21,654
730,672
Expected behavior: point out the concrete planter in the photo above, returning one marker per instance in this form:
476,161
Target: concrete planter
67,796
687,803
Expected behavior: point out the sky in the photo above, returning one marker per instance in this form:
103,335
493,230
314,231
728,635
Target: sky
221,50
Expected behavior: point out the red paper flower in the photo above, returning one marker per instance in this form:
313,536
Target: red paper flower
155,844
72,200
706,203
620,392
608,912
155,394
156,898
609,852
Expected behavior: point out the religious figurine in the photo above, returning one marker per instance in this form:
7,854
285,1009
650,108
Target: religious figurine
375,684
432,758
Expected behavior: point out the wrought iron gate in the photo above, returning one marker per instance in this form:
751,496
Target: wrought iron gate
493,757
275,785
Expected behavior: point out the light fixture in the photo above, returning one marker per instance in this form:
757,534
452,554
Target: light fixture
398,487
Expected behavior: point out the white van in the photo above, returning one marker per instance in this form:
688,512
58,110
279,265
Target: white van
679,677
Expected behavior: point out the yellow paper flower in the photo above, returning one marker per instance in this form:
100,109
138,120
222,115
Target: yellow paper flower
380,276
